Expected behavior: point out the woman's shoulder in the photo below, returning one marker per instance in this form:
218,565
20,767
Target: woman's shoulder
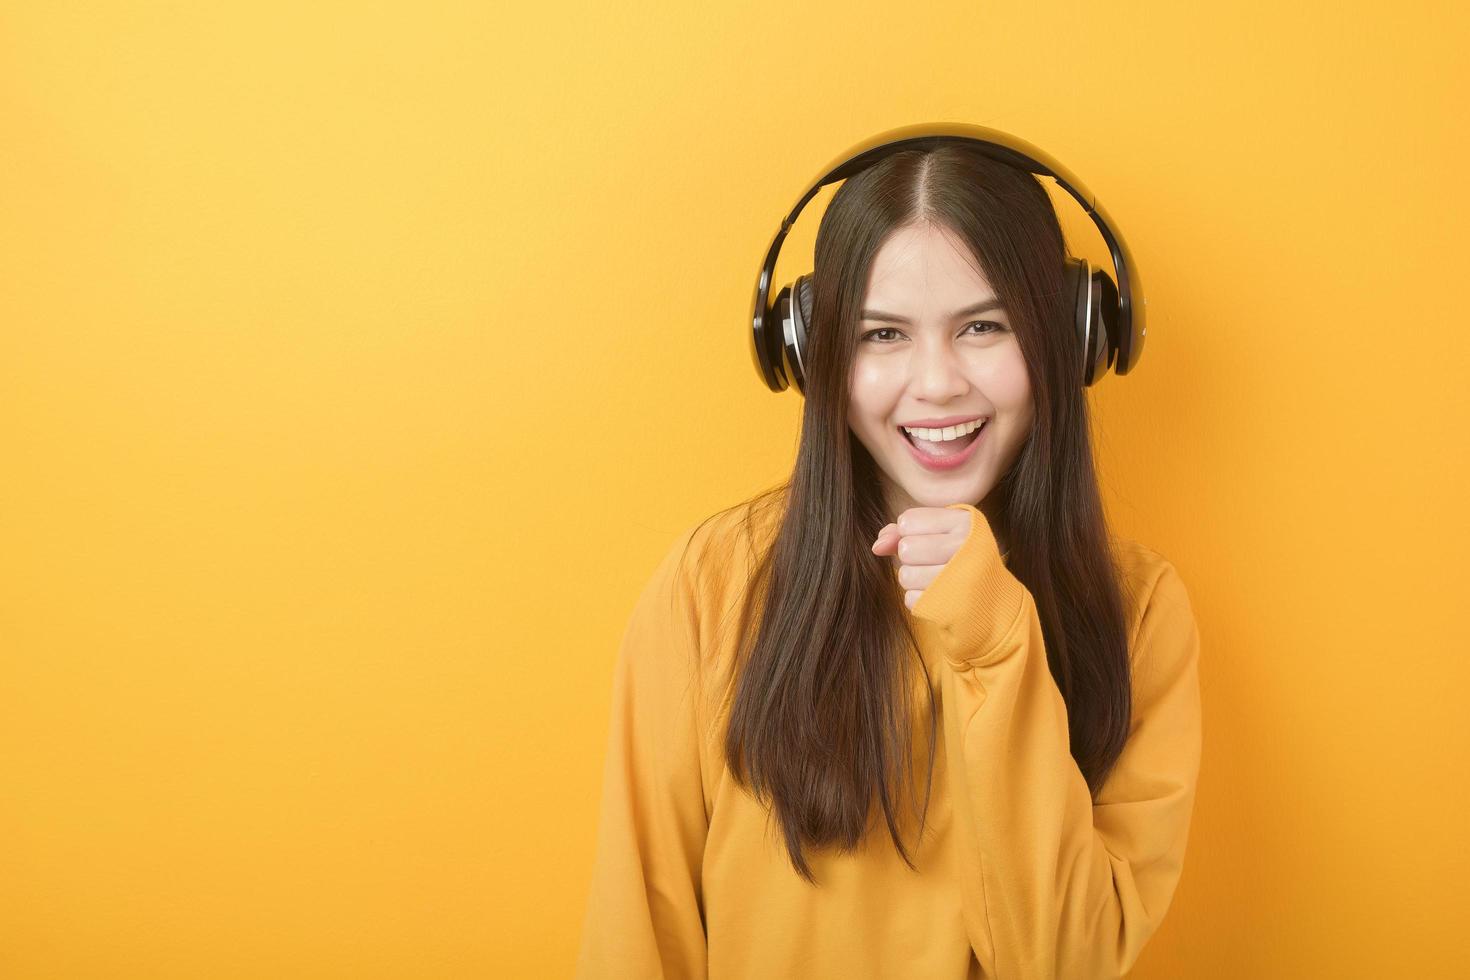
1156,592
1139,562
720,548
704,574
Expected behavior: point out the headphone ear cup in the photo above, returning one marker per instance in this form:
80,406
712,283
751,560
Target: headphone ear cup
796,318
791,313
1105,293
1095,311
804,290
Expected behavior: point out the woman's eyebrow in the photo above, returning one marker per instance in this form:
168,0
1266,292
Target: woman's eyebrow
981,307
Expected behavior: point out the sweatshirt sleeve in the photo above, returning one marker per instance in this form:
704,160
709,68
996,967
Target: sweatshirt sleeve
644,913
1054,884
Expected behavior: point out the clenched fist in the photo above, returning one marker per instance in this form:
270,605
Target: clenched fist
922,543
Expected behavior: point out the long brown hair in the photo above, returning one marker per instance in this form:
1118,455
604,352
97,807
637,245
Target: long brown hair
820,710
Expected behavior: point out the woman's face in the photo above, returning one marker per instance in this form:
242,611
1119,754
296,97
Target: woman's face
927,352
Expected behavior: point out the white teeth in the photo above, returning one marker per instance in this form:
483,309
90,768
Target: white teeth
946,434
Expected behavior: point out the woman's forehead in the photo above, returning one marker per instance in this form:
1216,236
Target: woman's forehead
926,260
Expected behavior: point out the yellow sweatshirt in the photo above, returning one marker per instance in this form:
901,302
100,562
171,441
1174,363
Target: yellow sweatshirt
1021,875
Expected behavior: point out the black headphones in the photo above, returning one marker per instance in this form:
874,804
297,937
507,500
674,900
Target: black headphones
1110,323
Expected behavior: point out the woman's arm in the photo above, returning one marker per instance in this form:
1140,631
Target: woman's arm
1055,885
644,914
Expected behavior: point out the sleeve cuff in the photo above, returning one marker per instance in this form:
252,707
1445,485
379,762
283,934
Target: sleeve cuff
975,602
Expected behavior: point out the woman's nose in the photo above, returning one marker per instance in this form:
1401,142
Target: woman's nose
937,372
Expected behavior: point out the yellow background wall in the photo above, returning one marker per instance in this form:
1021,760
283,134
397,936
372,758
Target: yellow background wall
358,361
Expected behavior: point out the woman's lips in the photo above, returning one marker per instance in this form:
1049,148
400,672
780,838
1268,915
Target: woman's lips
942,464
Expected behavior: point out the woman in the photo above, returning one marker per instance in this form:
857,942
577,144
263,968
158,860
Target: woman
760,811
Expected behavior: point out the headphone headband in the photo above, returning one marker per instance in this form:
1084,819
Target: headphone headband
1126,326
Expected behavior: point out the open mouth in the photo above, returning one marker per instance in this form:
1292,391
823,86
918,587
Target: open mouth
947,448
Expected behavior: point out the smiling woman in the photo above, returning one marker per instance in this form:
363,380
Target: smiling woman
935,368
772,677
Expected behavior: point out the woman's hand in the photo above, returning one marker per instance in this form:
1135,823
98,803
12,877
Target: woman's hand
922,543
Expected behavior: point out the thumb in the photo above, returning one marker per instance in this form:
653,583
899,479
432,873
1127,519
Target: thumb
887,543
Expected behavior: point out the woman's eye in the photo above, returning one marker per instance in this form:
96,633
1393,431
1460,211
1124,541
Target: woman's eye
873,334
983,323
